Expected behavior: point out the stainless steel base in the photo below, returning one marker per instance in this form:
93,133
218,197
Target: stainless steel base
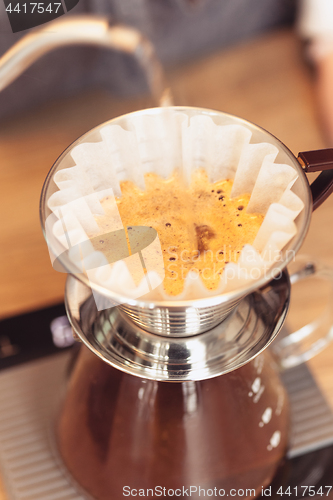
249,328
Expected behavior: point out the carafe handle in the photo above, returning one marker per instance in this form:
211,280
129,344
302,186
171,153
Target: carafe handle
305,343
314,161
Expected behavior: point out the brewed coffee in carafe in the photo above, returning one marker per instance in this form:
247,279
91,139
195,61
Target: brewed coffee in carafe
118,432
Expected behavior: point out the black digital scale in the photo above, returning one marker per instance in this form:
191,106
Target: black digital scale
35,352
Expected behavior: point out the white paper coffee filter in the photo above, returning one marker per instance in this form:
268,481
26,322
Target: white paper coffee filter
160,143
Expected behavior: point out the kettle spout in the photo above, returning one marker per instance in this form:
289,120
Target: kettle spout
85,30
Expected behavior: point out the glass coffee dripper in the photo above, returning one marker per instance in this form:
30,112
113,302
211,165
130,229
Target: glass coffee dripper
182,394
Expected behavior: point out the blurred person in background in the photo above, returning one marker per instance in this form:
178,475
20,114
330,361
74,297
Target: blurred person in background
181,30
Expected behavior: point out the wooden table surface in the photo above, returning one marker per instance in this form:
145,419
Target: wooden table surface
263,81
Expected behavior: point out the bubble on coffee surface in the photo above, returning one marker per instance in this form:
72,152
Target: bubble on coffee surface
200,227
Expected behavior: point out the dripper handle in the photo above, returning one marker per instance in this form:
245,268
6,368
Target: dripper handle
314,161
308,341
